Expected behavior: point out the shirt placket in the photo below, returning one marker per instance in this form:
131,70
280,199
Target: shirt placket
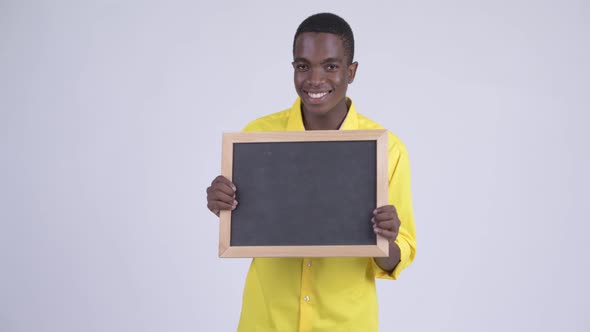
307,300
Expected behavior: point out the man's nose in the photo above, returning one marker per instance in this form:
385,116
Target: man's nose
316,77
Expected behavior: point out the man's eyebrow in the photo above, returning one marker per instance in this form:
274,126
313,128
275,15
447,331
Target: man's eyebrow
329,60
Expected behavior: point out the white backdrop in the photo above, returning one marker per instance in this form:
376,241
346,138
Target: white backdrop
110,128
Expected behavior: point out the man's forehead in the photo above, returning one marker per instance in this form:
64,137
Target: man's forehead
316,44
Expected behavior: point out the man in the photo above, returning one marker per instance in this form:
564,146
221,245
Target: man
324,294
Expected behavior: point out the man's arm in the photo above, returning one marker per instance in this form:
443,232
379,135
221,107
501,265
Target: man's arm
396,220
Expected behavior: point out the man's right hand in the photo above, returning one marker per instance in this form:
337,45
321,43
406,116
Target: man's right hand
221,195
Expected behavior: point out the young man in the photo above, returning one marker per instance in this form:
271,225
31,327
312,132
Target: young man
325,294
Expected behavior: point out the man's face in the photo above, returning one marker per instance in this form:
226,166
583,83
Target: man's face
322,72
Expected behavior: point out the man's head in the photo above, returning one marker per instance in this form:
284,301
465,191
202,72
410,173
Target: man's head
329,23
323,51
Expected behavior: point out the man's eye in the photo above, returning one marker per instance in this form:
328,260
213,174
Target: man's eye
301,67
332,67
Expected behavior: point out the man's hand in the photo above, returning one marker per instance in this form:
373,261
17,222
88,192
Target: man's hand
221,195
385,222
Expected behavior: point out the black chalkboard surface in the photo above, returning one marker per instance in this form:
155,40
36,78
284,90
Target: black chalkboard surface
304,193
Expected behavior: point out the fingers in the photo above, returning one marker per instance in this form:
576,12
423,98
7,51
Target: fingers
385,209
386,222
216,206
221,195
385,213
388,225
222,188
222,182
383,216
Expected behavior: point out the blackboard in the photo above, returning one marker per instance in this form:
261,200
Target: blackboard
304,193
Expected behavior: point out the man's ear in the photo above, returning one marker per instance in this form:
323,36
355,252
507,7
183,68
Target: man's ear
352,71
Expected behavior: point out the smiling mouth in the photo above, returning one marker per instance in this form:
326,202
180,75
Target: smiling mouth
317,95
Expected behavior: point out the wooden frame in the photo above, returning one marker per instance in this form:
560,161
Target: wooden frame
380,249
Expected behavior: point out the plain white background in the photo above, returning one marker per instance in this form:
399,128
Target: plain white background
110,129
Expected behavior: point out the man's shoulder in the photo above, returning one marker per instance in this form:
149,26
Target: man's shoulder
272,122
395,143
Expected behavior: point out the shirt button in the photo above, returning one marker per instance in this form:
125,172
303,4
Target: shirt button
306,298
308,263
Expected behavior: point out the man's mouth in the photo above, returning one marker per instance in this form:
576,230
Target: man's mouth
317,95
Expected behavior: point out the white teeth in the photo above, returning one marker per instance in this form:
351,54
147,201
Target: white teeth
317,95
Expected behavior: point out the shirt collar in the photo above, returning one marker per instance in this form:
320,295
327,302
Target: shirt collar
295,122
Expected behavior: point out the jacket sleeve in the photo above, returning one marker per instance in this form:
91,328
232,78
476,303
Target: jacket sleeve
400,197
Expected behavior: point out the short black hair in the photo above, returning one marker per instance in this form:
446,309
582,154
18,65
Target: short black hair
330,23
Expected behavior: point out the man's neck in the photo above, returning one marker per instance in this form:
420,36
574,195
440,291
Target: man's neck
330,121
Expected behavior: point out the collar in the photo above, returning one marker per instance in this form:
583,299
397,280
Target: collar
295,122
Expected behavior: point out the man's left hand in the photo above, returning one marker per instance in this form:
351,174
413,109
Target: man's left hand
386,222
